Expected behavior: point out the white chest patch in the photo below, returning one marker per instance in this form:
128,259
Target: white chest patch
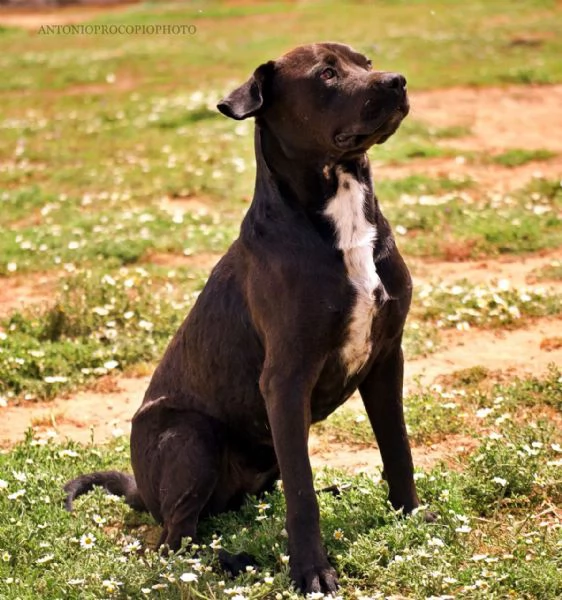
355,238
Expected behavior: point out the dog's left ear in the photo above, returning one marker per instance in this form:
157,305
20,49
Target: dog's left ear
248,99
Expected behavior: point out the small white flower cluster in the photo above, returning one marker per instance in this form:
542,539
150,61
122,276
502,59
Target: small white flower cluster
464,305
262,508
435,200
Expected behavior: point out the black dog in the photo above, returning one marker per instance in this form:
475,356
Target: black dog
307,306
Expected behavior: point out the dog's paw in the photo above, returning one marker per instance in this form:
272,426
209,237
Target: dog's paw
316,579
427,516
234,564
430,516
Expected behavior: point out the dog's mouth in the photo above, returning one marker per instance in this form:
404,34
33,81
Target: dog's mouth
376,134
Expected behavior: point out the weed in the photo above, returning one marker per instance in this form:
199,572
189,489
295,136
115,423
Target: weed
420,185
431,414
99,323
524,221
420,339
533,391
550,272
470,377
517,157
69,236
463,305
506,469
375,549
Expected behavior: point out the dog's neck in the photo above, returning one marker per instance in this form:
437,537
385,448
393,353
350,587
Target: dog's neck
303,181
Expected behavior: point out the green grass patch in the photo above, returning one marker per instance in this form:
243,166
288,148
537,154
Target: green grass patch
533,391
105,234
493,536
464,399
420,339
498,391
346,426
417,140
103,153
463,305
503,471
391,190
99,323
451,132
433,42
431,414
516,157
470,377
462,225
22,204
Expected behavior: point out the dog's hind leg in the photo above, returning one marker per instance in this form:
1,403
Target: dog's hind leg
190,455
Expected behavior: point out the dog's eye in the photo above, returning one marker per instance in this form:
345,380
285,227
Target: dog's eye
328,73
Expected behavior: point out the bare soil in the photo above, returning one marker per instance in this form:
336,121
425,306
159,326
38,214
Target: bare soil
518,270
519,351
33,18
20,292
89,414
498,118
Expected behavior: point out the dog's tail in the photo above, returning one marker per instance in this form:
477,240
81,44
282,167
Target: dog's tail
114,482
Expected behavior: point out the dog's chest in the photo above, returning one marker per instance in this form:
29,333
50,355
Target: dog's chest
355,238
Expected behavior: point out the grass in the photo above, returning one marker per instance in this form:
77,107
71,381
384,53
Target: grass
435,217
431,415
105,320
108,236
393,190
417,141
497,533
472,45
420,339
97,324
463,305
516,157
533,391
462,225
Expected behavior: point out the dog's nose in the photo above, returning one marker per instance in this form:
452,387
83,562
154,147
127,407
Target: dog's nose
393,81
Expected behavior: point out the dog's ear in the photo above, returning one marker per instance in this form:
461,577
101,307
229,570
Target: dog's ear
247,100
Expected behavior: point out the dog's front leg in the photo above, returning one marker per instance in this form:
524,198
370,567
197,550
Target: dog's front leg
381,392
287,396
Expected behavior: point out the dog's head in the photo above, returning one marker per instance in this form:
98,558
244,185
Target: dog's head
322,98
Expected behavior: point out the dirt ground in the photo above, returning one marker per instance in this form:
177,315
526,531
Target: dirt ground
33,18
499,118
